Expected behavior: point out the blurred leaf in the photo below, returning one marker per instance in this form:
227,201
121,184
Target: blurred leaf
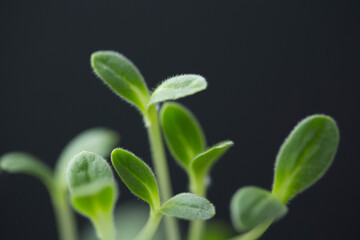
122,76
99,140
91,184
183,133
18,162
137,176
251,206
178,87
188,206
203,162
217,230
305,156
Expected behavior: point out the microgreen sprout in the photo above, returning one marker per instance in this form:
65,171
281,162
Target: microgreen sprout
303,159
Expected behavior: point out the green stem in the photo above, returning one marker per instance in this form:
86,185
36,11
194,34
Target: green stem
254,233
104,225
197,186
151,226
64,215
161,169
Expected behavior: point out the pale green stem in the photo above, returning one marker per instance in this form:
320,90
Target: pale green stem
161,169
64,215
104,225
255,233
197,186
151,226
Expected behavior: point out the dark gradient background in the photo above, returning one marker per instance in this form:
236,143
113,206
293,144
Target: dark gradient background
268,64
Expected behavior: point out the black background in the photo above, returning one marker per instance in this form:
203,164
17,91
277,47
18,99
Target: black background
268,64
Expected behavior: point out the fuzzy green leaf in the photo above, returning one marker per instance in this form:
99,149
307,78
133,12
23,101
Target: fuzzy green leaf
137,176
91,183
202,163
188,206
122,76
178,87
305,156
99,140
183,133
18,162
251,206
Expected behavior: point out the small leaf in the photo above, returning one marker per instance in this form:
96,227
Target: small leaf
122,76
251,206
99,140
137,176
92,185
18,162
178,87
203,162
305,156
188,206
183,133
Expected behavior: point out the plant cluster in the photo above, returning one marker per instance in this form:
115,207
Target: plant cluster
85,180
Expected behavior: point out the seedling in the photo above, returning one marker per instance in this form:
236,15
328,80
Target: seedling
304,157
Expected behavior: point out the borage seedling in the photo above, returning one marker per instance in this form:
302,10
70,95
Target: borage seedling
100,140
303,158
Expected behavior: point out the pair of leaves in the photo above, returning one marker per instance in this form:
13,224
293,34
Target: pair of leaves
100,140
139,178
124,78
186,140
303,158
91,183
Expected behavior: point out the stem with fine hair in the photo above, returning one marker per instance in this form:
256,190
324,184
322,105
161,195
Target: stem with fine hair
64,215
151,226
161,168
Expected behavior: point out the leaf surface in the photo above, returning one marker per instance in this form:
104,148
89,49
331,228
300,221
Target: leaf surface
251,206
183,133
305,156
188,206
122,76
178,87
91,183
137,176
19,162
99,140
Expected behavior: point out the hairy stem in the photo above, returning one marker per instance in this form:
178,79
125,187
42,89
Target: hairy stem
161,169
104,224
255,233
151,226
64,215
196,228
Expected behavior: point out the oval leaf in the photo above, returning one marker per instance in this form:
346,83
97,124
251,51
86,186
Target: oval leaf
251,206
122,76
178,87
18,162
188,206
305,156
183,133
137,176
202,163
91,184
99,140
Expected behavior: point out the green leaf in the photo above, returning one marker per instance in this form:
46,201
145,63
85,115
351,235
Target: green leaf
122,76
178,87
202,163
305,156
188,206
137,176
183,133
93,189
251,206
18,162
99,140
